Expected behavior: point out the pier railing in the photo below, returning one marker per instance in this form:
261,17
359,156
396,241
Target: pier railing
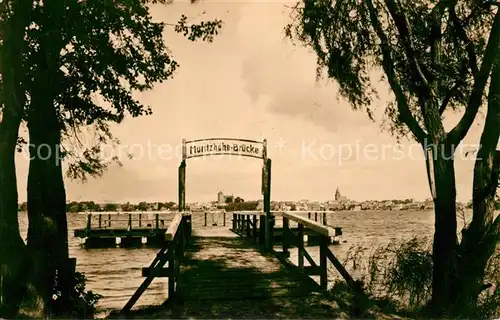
106,220
217,213
252,224
176,238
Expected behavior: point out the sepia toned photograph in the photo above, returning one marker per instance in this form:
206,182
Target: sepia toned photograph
249,159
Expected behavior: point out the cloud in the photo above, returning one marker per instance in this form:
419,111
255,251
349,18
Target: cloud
285,76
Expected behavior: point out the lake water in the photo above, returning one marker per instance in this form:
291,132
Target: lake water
115,273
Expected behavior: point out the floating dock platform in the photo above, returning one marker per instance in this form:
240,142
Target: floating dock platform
124,229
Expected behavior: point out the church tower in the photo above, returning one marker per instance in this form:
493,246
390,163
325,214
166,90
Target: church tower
220,198
337,194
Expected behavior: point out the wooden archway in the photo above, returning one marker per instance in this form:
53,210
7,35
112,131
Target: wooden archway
228,146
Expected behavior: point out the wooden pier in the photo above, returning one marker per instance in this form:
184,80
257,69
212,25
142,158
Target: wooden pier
227,266
254,262
220,264
126,229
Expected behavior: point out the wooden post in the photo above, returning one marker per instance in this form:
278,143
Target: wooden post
262,226
285,236
248,226
188,227
140,220
254,233
338,231
182,185
224,217
323,247
109,220
180,253
300,246
157,221
205,219
100,221
267,205
171,268
89,221
271,231
234,222
130,221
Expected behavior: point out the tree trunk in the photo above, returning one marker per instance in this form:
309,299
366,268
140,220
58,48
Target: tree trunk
12,248
442,183
480,238
445,234
47,232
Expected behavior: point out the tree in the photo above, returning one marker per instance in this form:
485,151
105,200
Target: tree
110,207
127,207
435,56
73,51
167,205
97,64
242,206
142,206
73,207
481,237
13,22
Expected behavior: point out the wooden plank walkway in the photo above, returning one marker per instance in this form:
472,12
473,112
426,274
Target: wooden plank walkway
221,265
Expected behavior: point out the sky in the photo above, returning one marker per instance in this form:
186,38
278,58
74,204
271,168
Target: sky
252,83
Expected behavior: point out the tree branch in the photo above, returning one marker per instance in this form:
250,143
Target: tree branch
402,25
495,175
454,90
449,95
480,79
436,34
388,64
469,45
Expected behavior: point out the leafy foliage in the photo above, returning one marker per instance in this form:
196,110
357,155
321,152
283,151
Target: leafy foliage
104,52
83,301
489,306
242,206
423,48
401,270
205,30
400,273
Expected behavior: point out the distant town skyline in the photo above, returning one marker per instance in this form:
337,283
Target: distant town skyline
251,83
220,198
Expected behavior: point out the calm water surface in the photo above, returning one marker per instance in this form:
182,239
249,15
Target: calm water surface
115,273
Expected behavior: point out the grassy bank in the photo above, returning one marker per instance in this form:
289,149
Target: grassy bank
339,303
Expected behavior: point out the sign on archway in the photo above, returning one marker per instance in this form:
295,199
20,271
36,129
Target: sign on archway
217,146
228,146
